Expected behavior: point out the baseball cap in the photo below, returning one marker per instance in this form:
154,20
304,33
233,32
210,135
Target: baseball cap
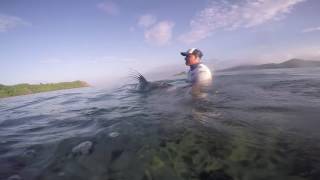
194,51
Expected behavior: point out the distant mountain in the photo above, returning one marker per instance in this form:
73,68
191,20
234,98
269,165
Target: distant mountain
24,89
292,63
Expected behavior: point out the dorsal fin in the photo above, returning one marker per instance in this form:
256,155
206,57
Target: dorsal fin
142,80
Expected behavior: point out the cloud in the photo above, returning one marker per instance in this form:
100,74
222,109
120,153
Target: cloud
159,34
10,22
109,7
311,29
147,20
224,15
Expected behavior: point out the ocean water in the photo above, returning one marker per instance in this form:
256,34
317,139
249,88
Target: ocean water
252,125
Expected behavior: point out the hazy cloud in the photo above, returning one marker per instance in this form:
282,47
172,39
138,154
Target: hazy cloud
308,52
160,33
132,29
112,59
109,7
147,20
51,61
10,22
311,29
226,15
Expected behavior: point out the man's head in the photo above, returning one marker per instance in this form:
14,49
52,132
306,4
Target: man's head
192,56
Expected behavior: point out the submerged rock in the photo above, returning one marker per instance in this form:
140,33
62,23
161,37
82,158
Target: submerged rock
114,134
83,148
116,154
61,174
215,175
31,153
14,177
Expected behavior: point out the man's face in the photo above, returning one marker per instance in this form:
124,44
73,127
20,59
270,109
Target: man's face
191,59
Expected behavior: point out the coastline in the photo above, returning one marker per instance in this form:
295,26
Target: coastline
28,89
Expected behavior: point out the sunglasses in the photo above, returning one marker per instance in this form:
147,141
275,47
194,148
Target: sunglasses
186,58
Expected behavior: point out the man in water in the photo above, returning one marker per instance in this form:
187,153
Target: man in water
199,75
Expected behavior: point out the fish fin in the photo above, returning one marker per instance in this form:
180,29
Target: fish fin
136,75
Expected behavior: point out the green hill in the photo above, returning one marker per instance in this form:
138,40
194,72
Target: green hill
23,89
292,63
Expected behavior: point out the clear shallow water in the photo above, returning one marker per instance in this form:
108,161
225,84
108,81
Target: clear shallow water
252,125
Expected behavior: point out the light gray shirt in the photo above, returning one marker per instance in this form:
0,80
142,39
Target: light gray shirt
200,75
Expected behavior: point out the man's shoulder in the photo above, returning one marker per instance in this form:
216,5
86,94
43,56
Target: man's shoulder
203,67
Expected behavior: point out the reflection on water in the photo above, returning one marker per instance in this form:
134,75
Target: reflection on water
251,125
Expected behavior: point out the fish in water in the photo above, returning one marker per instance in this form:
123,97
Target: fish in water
145,86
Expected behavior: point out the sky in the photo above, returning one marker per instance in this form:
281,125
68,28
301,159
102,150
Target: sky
100,41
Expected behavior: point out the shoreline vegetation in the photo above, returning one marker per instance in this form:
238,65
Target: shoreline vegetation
180,73
25,89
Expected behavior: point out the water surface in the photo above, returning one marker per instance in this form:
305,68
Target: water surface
252,125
